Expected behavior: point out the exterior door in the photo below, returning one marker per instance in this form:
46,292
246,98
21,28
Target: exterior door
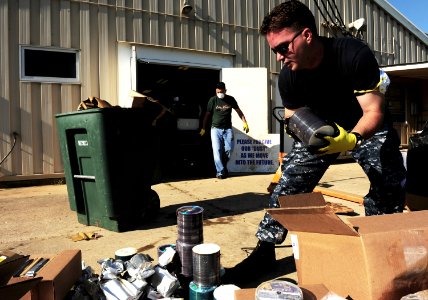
257,150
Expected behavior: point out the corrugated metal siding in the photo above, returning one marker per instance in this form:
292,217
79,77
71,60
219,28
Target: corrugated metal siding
95,26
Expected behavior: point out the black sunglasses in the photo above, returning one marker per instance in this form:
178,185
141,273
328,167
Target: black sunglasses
283,48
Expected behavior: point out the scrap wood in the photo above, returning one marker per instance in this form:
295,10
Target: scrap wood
336,207
341,195
328,192
82,236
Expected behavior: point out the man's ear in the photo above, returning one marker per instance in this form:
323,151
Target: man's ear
307,34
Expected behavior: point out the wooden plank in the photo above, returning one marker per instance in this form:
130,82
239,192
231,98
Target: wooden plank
341,195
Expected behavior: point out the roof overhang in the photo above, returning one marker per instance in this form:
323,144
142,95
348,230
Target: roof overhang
417,70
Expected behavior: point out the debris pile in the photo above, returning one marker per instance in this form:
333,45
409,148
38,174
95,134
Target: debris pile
135,279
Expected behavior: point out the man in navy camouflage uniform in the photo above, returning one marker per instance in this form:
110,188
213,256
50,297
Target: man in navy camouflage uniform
340,81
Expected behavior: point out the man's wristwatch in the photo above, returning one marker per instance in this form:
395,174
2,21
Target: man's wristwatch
360,139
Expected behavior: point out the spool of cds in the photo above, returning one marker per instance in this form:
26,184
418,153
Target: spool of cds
278,289
206,265
189,224
125,254
190,234
185,253
305,124
197,292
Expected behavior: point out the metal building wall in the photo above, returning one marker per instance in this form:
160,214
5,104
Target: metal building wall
391,39
95,26
219,26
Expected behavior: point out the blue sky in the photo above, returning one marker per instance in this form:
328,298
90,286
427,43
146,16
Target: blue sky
414,10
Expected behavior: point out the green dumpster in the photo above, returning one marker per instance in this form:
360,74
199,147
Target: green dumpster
111,159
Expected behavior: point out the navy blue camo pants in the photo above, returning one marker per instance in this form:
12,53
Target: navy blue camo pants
380,159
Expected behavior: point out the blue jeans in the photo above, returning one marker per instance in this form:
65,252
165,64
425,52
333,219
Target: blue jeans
222,144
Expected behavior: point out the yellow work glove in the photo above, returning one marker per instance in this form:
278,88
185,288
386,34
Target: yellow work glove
343,141
246,128
202,132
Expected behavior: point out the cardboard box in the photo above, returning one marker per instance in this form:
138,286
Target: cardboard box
14,288
310,292
18,287
416,202
59,276
376,257
187,124
56,278
10,263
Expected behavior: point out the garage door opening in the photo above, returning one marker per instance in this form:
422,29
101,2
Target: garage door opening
185,91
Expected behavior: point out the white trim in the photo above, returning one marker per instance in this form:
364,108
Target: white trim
174,56
133,67
128,54
421,66
23,77
126,79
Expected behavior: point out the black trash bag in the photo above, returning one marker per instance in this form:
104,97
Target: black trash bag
417,163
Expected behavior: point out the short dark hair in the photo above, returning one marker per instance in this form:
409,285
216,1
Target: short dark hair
291,13
220,85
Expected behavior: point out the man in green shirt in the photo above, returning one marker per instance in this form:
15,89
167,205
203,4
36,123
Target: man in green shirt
219,111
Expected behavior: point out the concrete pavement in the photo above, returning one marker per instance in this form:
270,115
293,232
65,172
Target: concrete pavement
38,220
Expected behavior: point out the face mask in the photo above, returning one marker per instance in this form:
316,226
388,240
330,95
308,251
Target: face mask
220,95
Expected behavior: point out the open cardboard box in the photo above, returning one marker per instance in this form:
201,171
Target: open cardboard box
377,257
14,288
52,281
9,264
416,202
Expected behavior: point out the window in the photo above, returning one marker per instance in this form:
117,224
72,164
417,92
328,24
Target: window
46,64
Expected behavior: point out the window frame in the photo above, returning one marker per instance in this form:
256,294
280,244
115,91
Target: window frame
24,77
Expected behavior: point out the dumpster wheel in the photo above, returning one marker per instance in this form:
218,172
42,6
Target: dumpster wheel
152,208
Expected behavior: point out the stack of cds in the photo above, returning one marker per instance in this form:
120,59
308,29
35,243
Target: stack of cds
190,234
278,289
197,292
206,265
206,271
